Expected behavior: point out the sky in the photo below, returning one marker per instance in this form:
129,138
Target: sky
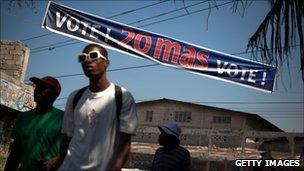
220,29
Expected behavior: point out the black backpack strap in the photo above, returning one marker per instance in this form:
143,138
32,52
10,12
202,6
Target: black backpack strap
78,96
118,100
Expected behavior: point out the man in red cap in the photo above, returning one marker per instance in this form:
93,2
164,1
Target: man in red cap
36,133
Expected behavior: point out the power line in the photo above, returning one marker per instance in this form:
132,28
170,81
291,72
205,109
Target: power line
209,8
262,115
52,48
183,15
37,37
48,46
111,70
240,102
245,52
136,9
169,12
113,16
282,102
279,114
261,108
126,68
275,110
282,117
29,22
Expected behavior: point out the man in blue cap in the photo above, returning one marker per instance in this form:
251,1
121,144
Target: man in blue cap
171,156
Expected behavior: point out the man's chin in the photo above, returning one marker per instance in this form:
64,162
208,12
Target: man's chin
92,75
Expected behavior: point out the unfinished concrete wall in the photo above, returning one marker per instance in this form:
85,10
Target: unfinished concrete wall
16,95
14,59
13,64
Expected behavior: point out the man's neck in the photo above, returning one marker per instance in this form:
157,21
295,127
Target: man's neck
170,146
100,84
42,109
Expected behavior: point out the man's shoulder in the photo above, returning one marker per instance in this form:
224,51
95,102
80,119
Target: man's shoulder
73,93
123,89
126,95
25,114
183,149
23,118
58,111
159,150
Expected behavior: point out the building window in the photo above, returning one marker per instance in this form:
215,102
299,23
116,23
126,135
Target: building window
181,116
221,119
219,138
189,119
149,116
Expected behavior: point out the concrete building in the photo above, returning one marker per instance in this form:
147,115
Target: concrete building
214,136
15,95
196,121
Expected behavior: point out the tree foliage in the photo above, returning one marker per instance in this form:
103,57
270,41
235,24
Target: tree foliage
21,3
276,35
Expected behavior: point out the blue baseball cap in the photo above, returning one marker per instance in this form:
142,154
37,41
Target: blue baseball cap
171,128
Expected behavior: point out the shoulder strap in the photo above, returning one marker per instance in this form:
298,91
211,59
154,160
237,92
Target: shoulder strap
118,100
78,96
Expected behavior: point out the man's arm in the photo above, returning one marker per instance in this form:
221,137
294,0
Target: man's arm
186,162
64,147
66,130
127,127
124,147
13,160
54,163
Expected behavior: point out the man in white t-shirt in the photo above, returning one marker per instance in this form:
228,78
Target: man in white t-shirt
96,138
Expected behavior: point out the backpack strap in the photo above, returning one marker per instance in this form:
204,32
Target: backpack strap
78,96
118,100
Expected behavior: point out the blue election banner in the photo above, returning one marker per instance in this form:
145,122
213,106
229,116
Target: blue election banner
158,48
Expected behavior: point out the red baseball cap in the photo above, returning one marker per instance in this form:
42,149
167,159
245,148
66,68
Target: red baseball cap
47,81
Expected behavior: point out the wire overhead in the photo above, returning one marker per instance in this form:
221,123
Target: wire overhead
113,16
125,68
73,41
152,23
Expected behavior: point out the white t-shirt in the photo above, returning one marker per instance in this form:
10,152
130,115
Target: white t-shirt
93,128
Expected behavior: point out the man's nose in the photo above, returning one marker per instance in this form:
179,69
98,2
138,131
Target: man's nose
87,61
